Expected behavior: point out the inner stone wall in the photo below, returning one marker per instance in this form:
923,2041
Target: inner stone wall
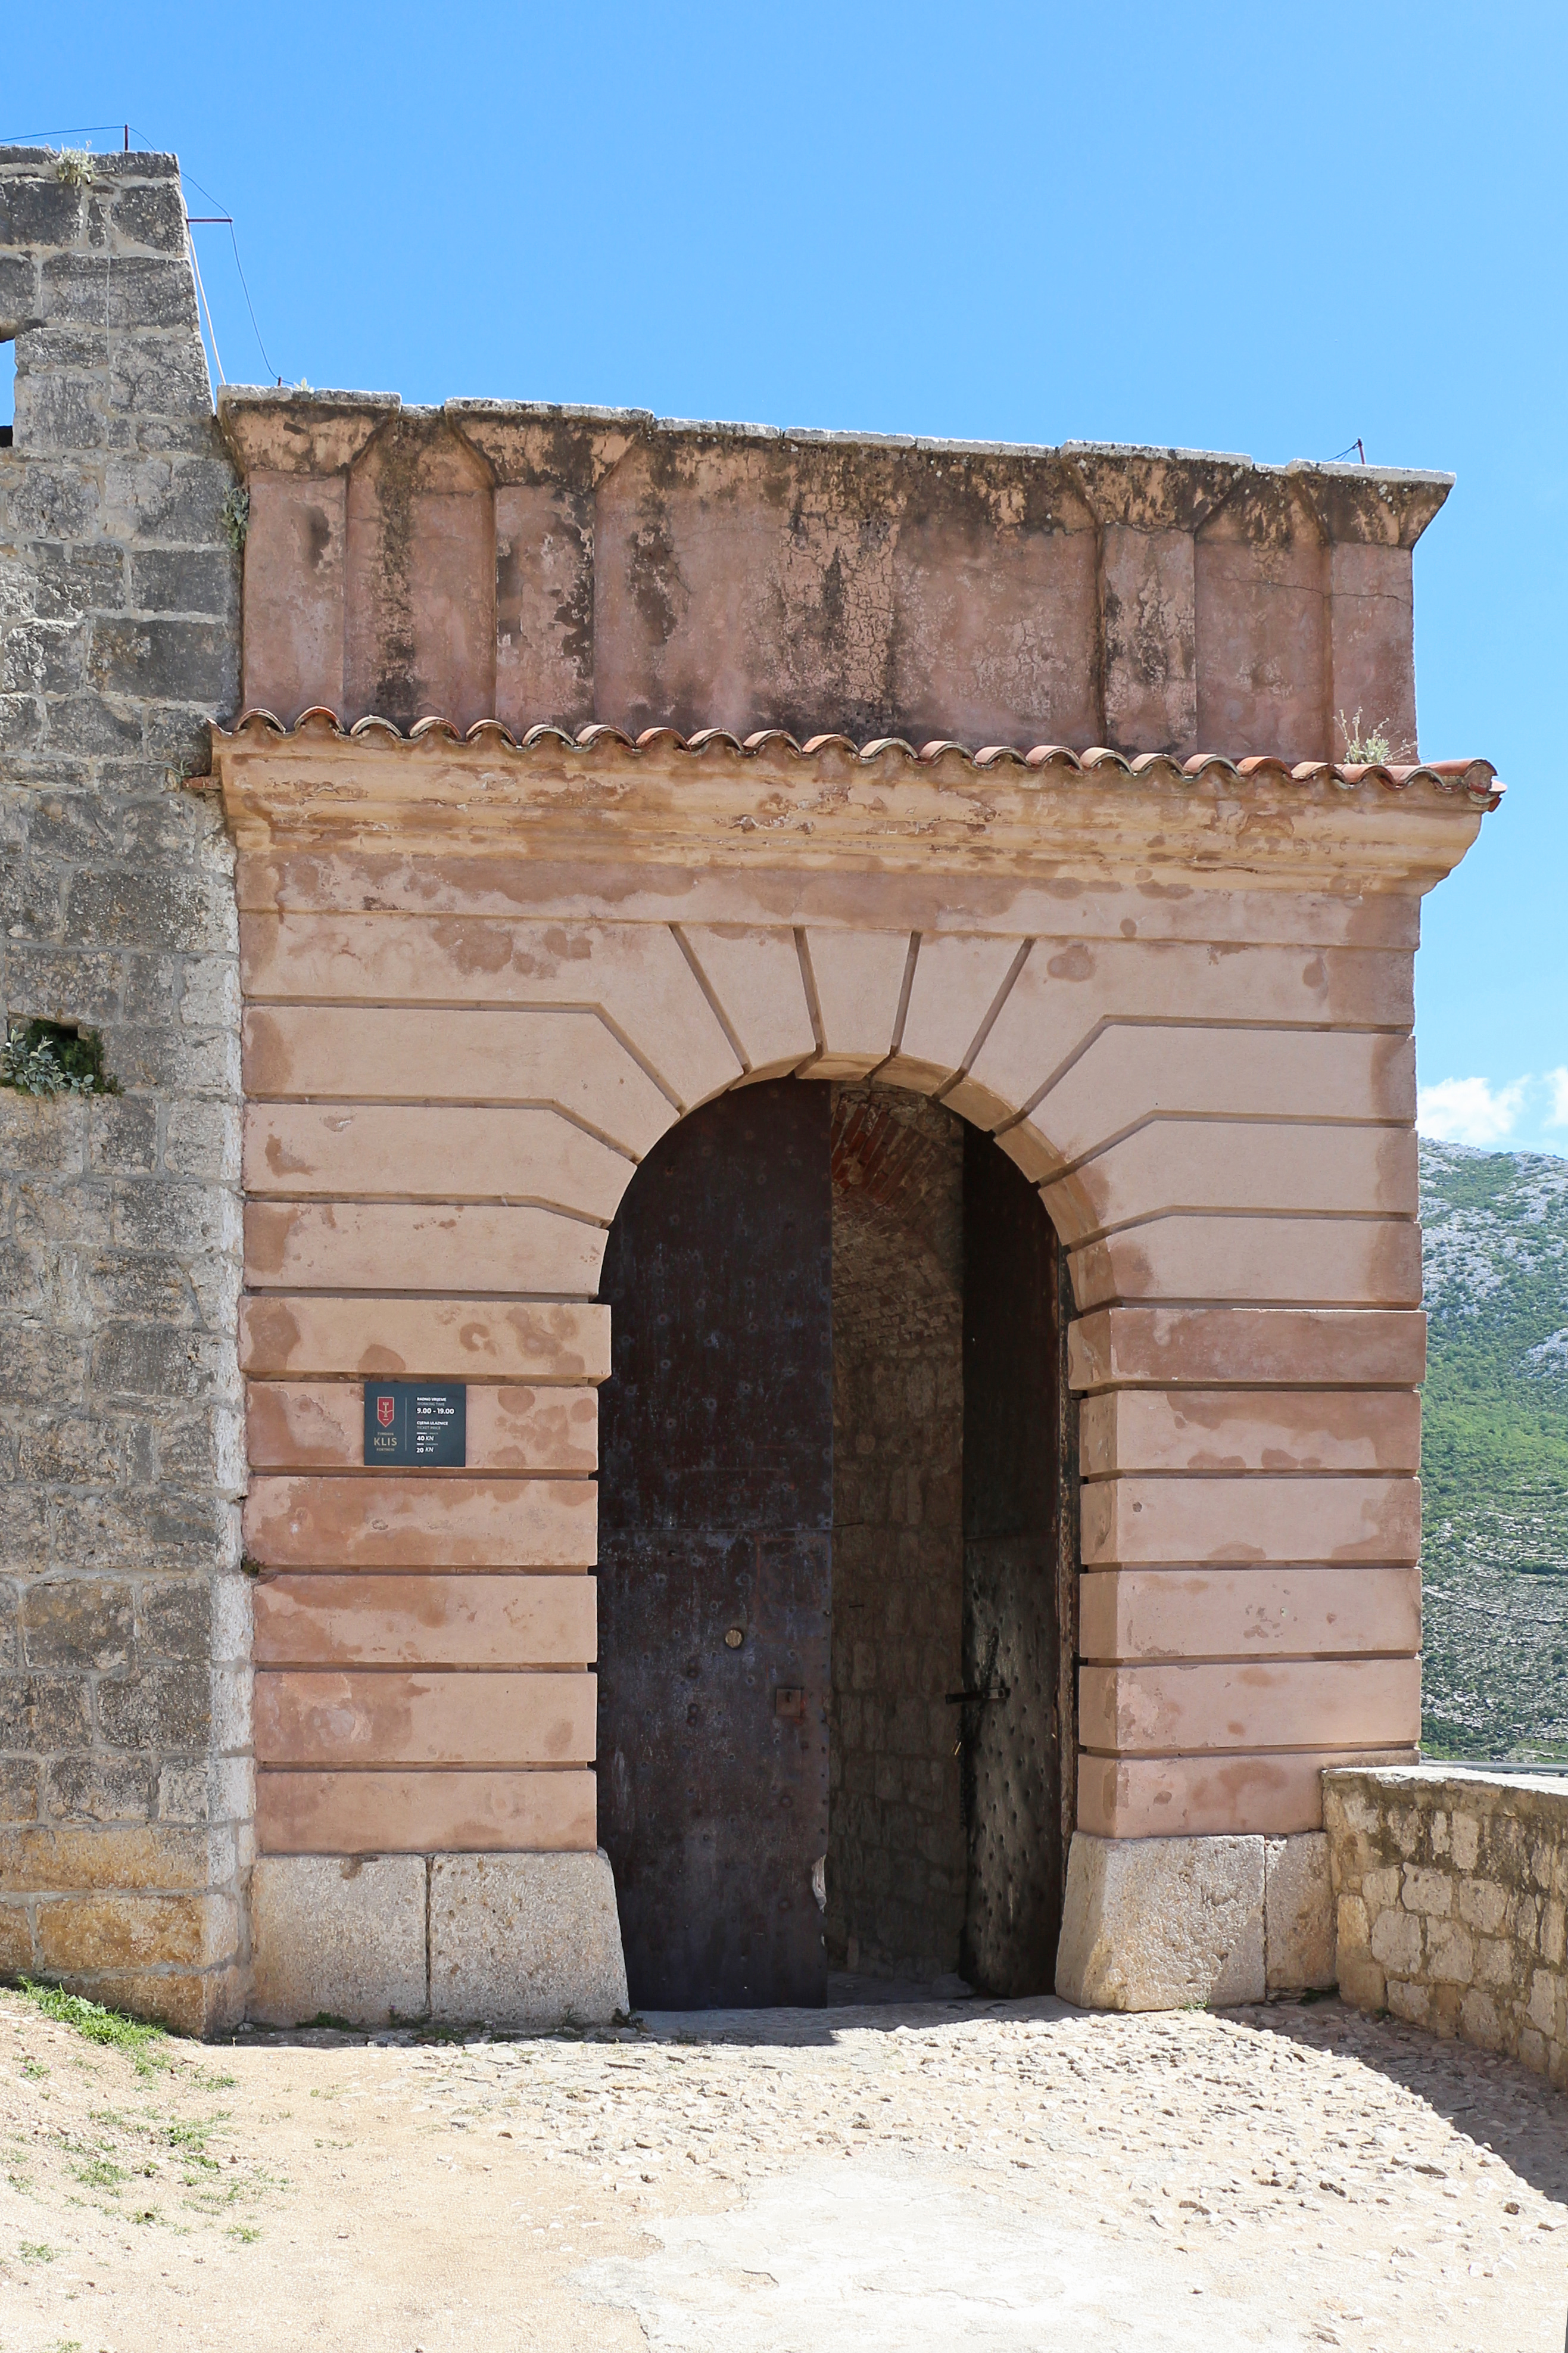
896,1858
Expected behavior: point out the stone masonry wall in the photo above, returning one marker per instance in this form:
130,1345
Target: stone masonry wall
895,1856
1451,1889
124,1771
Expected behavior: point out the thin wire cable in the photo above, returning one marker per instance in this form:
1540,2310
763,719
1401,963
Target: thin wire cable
219,203
80,131
250,305
206,306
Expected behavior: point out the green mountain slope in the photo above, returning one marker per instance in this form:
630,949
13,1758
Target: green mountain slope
1495,1452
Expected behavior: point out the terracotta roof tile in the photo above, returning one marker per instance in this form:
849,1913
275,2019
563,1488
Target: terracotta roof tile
1477,780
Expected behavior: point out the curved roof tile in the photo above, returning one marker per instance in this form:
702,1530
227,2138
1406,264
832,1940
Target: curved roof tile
1477,780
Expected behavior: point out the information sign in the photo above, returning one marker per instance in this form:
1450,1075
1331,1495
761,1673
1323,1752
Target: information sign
422,1424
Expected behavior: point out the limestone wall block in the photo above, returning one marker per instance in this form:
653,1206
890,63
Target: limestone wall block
398,1812
960,981
1543,2004
567,1059
1482,1903
1496,1962
342,1719
456,1152
1298,1921
319,1426
1361,1981
755,977
1408,1999
525,1940
439,1246
1353,1930
1397,1942
1158,1924
1427,1891
90,1933
1478,2016
1451,1953
858,978
338,1937
414,1522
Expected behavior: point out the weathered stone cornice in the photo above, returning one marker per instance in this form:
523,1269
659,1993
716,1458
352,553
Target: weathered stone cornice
277,429
708,801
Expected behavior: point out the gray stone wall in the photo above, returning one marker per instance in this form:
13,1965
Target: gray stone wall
1451,1890
124,1772
895,1852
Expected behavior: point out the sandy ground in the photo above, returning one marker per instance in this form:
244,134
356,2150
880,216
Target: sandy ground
856,2180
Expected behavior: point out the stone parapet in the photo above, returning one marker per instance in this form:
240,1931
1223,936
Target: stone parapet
1450,1890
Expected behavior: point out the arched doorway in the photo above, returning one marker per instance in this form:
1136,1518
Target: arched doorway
831,1551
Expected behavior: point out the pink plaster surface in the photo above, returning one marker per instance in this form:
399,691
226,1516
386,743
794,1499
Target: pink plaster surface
482,560
484,977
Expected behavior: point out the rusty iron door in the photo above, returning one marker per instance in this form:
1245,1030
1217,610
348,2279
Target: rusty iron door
716,1498
1013,1526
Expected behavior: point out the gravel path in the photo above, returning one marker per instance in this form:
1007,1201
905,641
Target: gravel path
1007,2176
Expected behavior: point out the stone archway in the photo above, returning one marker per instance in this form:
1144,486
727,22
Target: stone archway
1177,985
481,982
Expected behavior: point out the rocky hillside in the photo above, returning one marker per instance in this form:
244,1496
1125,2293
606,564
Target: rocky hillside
1495,1452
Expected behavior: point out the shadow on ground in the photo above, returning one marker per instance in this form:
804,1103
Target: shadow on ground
1494,2100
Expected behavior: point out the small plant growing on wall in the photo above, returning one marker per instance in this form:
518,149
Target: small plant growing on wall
74,166
48,1057
235,516
1368,745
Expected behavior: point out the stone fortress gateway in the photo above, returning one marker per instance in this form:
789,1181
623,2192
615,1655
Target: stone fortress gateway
842,992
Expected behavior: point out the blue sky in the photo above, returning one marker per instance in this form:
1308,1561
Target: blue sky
1260,229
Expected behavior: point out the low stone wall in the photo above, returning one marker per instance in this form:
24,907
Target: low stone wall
1450,1888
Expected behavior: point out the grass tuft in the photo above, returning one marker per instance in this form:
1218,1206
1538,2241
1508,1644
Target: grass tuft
135,2036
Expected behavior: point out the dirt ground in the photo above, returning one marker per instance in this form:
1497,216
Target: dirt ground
995,2176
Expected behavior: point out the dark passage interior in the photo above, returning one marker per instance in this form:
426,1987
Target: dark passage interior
832,1535
897,1867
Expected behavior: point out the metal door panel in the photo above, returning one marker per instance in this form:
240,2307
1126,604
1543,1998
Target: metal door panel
1012,1522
